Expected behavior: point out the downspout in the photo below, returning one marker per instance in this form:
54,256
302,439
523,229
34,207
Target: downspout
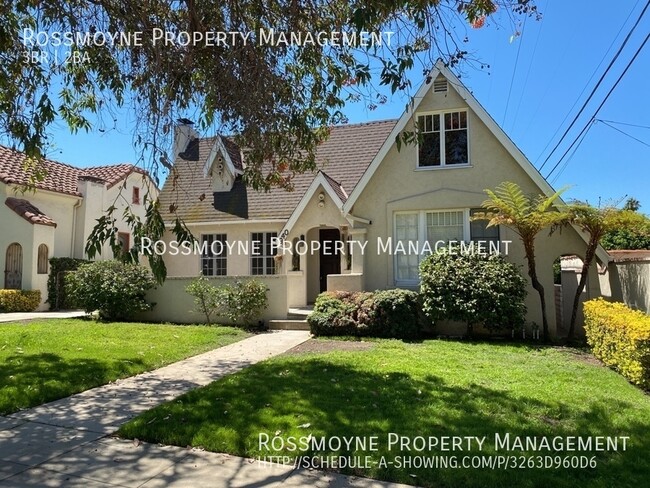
74,225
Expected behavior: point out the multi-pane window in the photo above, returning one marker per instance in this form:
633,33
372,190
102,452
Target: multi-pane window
445,226
414,229
214,255
443,139
264,248
407,230
479,231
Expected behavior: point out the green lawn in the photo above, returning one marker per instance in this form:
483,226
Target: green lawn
435,388
42,361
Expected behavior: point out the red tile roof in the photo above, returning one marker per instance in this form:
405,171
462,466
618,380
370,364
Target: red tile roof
29,212
59,177
345,156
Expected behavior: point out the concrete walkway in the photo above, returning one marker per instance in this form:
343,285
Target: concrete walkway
18,316
67,442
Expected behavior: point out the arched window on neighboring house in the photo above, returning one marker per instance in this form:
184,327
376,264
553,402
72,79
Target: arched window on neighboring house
14,267
43,257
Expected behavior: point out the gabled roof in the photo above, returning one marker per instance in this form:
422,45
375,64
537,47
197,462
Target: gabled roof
483,115
231,154
333,189
344,156
29,212
112,174
59,177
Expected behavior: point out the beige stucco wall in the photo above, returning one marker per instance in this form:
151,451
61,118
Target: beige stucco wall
346,282
630,283
173,304
398,186
238,263
97,200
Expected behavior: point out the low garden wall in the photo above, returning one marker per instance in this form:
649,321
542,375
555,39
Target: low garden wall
174,304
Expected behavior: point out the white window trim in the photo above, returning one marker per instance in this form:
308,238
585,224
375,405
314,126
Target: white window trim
201,257
443,164
250,258
422,225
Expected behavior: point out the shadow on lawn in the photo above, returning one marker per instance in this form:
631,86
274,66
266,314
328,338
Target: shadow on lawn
27,380
338,400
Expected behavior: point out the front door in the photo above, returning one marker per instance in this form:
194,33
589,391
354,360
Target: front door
330,258
14,267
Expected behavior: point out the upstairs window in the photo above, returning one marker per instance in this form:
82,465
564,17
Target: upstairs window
135,196
444,140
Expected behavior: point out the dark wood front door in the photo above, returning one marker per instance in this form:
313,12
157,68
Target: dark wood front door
330,258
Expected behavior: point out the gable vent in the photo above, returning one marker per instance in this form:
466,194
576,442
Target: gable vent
440,85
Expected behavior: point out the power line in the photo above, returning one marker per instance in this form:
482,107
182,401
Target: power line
625,123
636,54
593,91
584,88
625,133
564,166
514,71
532,57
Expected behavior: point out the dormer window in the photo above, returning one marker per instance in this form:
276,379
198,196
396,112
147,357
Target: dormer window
444,140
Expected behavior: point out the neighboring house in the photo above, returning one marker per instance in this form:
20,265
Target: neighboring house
55,216
366,191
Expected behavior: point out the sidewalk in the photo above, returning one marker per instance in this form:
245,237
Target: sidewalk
66,443
17,316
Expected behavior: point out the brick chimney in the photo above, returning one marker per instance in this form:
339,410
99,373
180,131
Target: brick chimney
184,133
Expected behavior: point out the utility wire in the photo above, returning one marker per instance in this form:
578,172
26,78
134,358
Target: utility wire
625,133
593,91
584,88
564,166
625,123
514,71
636,54
532,57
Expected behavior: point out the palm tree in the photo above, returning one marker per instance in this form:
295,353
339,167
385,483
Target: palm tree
594,222
526,216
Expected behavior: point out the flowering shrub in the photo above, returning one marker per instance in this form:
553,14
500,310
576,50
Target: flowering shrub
19,300
620,338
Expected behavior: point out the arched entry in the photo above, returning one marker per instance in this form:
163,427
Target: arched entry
14,267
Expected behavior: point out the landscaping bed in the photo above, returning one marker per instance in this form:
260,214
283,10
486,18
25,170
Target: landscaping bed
435,388
41,361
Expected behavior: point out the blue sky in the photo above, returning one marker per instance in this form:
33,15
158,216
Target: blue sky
530,88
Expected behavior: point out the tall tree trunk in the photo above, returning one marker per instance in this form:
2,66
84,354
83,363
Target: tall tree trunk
586,264
529,247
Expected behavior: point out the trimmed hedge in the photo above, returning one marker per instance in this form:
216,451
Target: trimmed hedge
19,300
383,313
620,337
59,267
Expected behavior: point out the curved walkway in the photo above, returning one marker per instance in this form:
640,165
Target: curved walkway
67,442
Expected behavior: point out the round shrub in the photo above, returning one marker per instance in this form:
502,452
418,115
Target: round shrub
472,288
19,300
116,290
384,313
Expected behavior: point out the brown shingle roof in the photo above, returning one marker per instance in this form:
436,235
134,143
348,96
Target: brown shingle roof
29,212
336,186
59,177
345,155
